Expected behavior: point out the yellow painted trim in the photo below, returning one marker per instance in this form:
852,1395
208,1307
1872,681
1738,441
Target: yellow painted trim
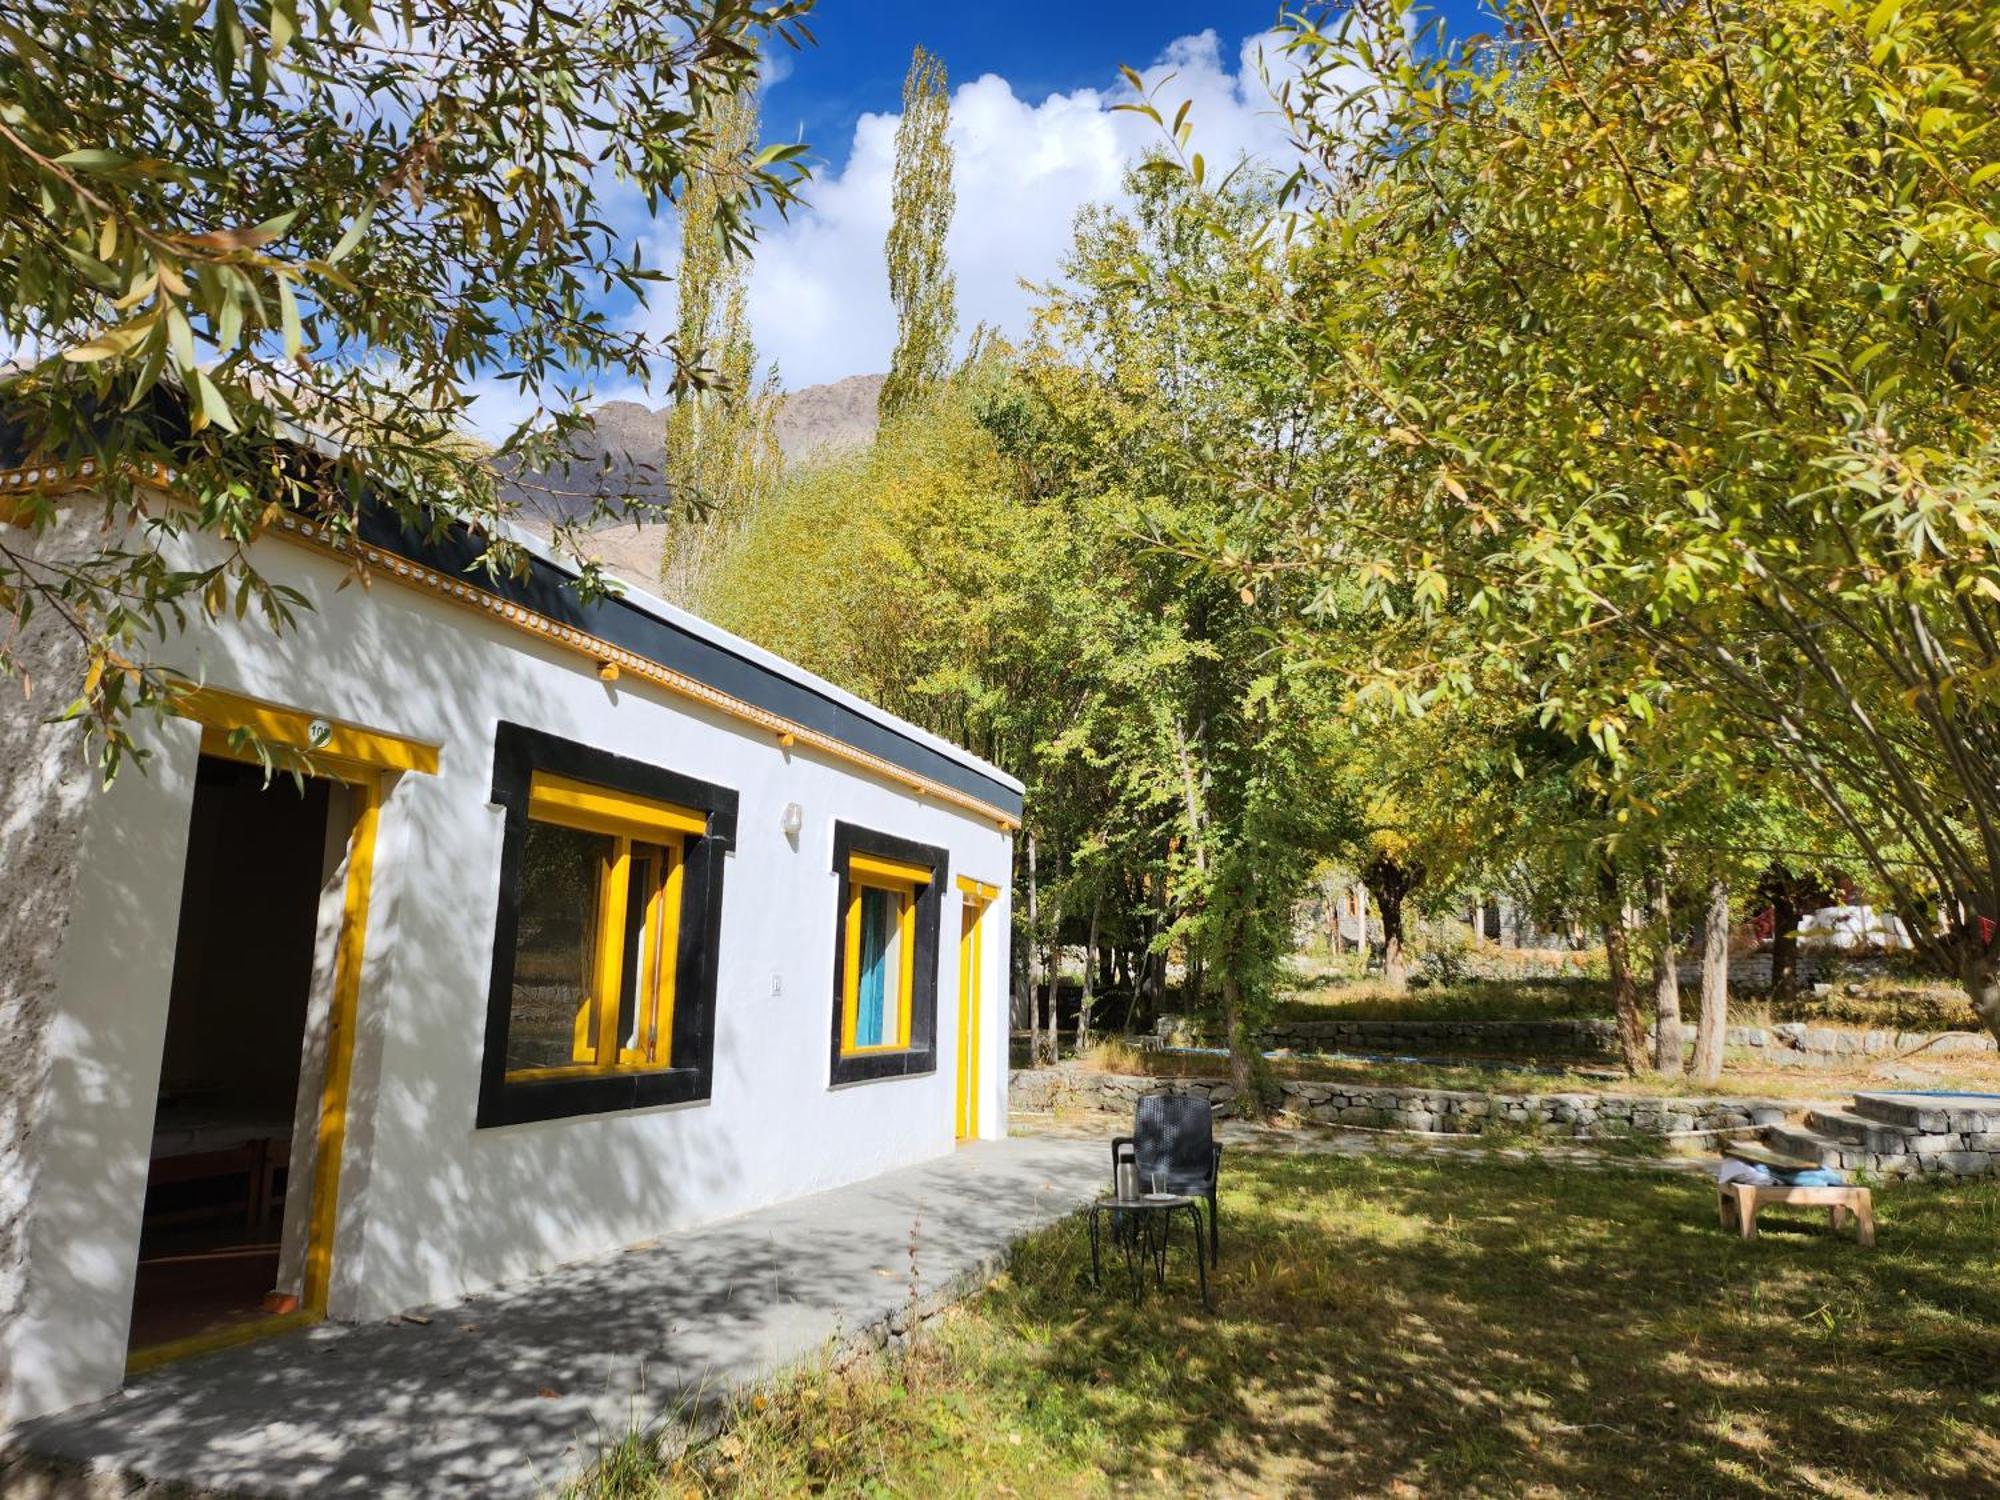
611,950
603,809
346,747
580,1070
898,1026
867,866
851,970
906,930
977,890
973,1029
236,1334
665,925
971,971
349,952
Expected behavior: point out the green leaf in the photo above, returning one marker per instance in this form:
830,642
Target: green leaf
180,338
212,404
113,341
288,308
93,159
95,271
355,230
283,22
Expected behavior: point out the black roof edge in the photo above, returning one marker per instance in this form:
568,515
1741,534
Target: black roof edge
549,590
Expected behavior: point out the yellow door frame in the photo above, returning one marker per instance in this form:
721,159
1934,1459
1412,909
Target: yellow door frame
974,899
236,728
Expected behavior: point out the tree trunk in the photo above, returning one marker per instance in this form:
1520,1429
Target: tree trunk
1714,985
1034,961
1107,973
1089,950
1624,992
1240,1062
1052,992
1390,881
1784,946
1979,969
1666,975
1394,974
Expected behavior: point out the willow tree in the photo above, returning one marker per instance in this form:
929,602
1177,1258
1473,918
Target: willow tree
721,431
222,226
922,201
1000,567
1656,349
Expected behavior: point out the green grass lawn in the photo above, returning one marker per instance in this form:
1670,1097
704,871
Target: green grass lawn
1322,997
1413,1326
1907,1004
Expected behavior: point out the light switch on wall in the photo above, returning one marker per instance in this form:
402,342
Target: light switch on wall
777,984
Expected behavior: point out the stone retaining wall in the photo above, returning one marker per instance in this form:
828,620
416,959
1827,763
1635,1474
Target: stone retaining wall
1441,1111
1796,1044
1790,1044
1530,1038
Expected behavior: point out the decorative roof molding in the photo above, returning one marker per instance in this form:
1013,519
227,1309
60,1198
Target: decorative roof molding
607,659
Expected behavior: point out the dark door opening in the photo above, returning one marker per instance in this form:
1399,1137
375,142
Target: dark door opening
237,1021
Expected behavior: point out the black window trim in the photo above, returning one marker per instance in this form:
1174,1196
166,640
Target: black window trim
518,752
920,1057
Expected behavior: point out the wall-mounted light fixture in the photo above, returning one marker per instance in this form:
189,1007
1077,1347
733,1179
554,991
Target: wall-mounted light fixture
793,819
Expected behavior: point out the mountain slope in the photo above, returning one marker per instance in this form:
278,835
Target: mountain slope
628,440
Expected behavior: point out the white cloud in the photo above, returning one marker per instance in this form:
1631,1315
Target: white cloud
819,298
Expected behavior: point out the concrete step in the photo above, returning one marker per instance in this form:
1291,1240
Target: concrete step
1933,1114
1807,1144
1860,1131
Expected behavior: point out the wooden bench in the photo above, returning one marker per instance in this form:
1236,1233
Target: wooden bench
1738,1203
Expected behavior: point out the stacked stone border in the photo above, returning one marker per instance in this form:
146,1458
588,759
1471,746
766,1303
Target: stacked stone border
1434,1111
1889,1135
1790,1044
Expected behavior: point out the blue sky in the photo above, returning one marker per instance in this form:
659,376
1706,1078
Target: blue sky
1036,139
1040,48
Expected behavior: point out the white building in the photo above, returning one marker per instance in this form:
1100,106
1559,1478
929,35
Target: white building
593,922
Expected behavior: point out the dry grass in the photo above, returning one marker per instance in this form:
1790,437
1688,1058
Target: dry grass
1411,1326
1741,1075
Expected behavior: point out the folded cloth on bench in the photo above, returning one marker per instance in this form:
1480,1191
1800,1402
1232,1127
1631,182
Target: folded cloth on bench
1812,1177
1729,1169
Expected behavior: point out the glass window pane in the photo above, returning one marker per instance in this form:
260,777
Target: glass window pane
650,925
632,973
555,947
878,998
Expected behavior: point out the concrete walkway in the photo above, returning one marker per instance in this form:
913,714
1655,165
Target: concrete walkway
510,1392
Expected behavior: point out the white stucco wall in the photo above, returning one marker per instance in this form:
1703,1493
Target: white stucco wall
430,1207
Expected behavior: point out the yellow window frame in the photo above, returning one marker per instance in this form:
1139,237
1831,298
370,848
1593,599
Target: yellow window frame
869,872
628,820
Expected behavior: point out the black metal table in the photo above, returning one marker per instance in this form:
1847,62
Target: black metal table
1144,1227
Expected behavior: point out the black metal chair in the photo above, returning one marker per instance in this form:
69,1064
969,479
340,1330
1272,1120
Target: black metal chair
1174,1147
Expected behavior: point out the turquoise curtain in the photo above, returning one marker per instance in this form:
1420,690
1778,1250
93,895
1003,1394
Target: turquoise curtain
877,923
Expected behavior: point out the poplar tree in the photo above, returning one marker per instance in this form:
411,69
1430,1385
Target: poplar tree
920,282
721,437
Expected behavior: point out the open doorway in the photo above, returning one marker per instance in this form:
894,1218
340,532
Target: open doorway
226,1213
